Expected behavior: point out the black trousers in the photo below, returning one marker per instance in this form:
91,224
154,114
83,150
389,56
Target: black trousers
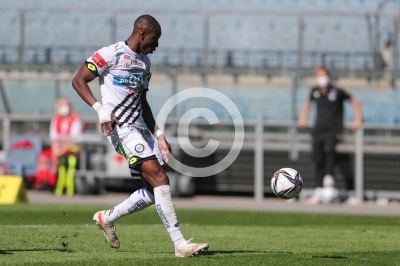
324,155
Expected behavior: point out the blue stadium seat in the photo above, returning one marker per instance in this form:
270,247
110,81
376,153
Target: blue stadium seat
20,95
81,107
22,155
9,38
69,37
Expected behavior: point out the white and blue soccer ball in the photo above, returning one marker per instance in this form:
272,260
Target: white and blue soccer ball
286,183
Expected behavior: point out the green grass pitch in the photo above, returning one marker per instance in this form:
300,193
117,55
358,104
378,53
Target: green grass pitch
66,235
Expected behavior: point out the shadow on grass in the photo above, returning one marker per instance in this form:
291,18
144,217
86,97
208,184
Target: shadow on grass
337,257
222,252
10,251
216,252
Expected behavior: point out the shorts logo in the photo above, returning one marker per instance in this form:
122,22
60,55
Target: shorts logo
139,148
133,160
121,151
127,60
98,60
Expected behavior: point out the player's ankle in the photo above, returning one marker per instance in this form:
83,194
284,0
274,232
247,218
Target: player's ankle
179,242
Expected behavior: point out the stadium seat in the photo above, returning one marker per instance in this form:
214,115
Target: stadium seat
20,95
48,40
22,155
9,38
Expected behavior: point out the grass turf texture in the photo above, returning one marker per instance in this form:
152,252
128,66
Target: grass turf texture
66,235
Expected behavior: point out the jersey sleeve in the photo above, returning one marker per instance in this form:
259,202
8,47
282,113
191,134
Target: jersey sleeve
345,95
100,61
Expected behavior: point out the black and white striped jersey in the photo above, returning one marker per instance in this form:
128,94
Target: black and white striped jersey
123,76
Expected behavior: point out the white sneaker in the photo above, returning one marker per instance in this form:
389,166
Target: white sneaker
108,229
188,248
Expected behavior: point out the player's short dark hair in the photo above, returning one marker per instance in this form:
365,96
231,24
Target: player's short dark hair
147,22
324,69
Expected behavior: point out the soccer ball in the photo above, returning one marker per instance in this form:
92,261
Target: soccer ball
286,183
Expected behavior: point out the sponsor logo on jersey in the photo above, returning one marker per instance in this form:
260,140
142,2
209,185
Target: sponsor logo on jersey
98,60
137,63
127,60
134,80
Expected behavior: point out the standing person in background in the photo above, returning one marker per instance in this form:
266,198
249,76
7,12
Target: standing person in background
327,130
64,128
386,55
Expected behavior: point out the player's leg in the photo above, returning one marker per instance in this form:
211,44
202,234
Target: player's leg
319,159
61,178
330,151
70,175
154,174
137,201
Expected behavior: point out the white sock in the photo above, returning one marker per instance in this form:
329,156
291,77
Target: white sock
166,210
138,201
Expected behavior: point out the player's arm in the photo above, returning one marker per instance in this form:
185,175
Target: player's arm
357,113
80,84
148,114
148,118
302,122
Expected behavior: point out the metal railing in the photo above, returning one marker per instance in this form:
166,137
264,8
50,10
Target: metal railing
262,139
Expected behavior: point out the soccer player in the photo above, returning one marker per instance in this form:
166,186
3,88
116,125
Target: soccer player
126,119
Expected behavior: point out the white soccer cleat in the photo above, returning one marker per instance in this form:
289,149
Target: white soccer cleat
188,249
108,229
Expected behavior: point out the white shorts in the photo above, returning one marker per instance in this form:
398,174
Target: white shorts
136,144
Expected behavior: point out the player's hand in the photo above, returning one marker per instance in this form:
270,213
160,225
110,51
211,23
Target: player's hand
106,127
302,123
355,125
165,148
105,119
